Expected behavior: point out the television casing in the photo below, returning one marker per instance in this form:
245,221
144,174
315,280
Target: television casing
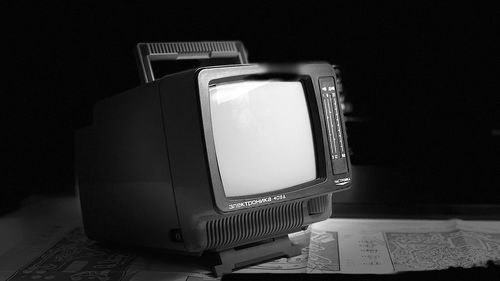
147,169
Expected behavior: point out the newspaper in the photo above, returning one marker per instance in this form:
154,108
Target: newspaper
331,246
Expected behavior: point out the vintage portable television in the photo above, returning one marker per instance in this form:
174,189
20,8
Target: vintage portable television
225,160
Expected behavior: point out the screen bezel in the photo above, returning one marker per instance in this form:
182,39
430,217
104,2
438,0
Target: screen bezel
217,75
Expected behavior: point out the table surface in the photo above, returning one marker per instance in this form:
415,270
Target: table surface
39,216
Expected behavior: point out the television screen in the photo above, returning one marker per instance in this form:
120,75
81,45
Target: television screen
262,135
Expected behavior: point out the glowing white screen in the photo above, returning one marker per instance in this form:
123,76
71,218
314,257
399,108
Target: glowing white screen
262,136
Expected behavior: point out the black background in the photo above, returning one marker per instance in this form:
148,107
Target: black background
420,76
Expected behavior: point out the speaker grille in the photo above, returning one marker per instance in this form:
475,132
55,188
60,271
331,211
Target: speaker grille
317,205
260,223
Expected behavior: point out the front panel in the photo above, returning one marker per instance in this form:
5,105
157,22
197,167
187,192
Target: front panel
326,173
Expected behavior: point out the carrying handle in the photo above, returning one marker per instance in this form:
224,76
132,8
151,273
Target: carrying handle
204,50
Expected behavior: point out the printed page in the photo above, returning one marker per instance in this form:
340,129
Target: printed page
386,246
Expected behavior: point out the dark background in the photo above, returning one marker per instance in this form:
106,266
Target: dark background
424,125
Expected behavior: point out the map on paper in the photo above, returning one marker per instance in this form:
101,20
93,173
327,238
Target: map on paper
440,250
331,246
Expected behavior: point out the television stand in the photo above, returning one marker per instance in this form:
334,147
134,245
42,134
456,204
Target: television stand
226,261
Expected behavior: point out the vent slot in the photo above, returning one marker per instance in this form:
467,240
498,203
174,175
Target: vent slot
260,223
317,205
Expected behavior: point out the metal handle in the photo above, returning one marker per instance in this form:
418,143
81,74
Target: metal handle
147,52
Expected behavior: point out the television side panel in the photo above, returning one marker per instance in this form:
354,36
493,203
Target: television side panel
188,159
124,173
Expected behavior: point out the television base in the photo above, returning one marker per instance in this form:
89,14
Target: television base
228,260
